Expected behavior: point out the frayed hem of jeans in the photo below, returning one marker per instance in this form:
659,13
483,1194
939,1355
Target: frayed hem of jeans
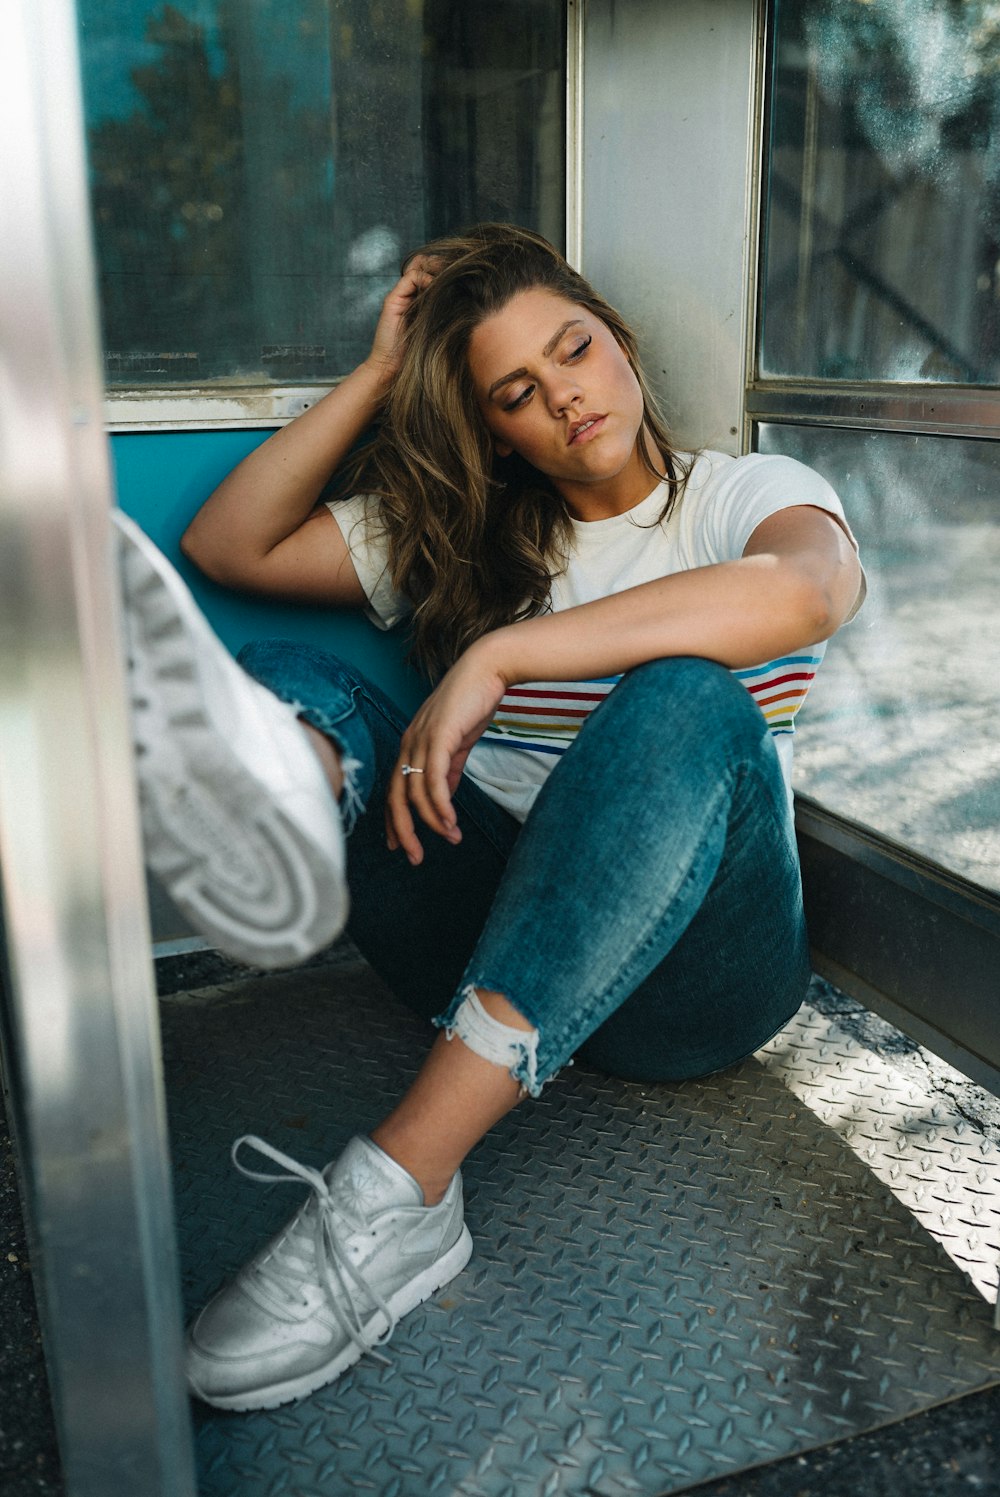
351,804
350,801
501,1044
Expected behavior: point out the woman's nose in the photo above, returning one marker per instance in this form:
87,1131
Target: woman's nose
564,394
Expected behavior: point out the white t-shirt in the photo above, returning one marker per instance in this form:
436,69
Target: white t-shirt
724,501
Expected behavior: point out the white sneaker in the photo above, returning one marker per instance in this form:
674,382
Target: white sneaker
362,1252
240,822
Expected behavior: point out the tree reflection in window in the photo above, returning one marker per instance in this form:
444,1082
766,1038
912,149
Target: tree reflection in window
258,170
884,192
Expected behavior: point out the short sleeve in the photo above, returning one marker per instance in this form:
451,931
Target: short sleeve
746,491
368,551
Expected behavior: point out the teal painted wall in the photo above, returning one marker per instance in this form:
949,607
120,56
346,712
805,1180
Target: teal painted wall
162,478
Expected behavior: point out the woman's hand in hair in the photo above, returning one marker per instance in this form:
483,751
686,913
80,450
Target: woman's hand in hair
438,742
390,332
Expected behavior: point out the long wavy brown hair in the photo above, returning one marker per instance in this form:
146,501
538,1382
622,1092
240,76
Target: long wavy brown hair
475,540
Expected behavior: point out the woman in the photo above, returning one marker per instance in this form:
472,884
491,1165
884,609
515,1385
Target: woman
549,879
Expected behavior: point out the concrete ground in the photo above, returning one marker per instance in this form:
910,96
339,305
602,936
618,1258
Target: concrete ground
950,1451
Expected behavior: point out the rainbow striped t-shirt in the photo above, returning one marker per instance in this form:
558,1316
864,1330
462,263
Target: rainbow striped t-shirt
544,717
724,501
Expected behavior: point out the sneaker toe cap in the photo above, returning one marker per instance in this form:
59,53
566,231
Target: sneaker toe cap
234,1347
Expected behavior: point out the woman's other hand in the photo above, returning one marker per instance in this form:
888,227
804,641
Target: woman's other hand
390,332
438,742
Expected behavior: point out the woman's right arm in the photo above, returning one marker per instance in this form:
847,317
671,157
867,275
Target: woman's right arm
260,530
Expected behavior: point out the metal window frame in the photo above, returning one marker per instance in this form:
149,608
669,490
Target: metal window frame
672,103
911,940
927,410
914,942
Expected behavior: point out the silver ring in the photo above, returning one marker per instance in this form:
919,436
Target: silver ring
409,769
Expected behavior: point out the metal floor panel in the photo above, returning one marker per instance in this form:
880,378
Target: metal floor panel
933,1159
670,1284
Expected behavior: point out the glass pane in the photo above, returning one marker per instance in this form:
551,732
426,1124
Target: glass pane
259,169
900,730
883,206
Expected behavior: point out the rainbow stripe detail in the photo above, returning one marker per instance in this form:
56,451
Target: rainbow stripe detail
546,716
779,688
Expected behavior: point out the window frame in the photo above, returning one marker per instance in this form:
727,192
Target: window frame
897,931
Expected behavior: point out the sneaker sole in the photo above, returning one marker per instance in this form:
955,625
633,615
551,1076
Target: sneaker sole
440,1272
272,897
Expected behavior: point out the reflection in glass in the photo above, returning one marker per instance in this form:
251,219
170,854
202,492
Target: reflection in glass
883,244
900,730
258,170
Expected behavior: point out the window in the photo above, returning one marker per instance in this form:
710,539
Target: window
883,200
879,344
902,720
259,169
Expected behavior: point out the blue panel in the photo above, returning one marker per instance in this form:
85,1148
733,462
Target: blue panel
164,477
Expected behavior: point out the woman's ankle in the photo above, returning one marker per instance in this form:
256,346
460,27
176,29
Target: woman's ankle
433,1182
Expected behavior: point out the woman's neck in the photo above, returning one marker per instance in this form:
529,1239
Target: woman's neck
608,497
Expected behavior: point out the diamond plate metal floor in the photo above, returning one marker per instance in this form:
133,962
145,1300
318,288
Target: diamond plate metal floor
670,1284
943,1168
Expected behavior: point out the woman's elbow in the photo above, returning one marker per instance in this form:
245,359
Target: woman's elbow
189,546
195,550
826,602
824,618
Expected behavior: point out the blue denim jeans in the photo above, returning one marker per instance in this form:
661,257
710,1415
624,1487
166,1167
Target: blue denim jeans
648,914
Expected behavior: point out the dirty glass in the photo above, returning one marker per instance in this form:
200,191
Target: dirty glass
258,169
900,729
882,258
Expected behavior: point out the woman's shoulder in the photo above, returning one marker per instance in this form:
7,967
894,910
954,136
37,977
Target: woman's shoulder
351,507
727,497
755,481
712,470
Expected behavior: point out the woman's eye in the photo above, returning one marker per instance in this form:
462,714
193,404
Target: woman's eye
579,348
520,399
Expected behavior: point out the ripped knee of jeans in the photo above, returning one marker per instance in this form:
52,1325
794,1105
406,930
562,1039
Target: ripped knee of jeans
351,802
499,1043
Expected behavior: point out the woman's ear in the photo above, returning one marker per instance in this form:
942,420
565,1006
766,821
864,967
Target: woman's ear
502,450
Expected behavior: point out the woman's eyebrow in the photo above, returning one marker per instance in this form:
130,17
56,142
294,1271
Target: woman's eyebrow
506,379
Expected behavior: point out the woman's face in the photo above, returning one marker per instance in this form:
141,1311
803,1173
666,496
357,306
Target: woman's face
554,386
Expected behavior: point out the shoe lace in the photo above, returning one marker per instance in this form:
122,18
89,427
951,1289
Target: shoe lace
331,1265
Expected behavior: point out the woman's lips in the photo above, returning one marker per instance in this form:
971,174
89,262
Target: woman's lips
583,430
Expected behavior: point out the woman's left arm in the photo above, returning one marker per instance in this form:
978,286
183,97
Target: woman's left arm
794,585
796,582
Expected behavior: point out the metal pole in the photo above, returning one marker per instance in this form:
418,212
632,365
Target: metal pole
80,1030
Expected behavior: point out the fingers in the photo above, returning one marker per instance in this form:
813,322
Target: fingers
390,335
425,791
417,274
399,828
427,265
434,750
433,796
